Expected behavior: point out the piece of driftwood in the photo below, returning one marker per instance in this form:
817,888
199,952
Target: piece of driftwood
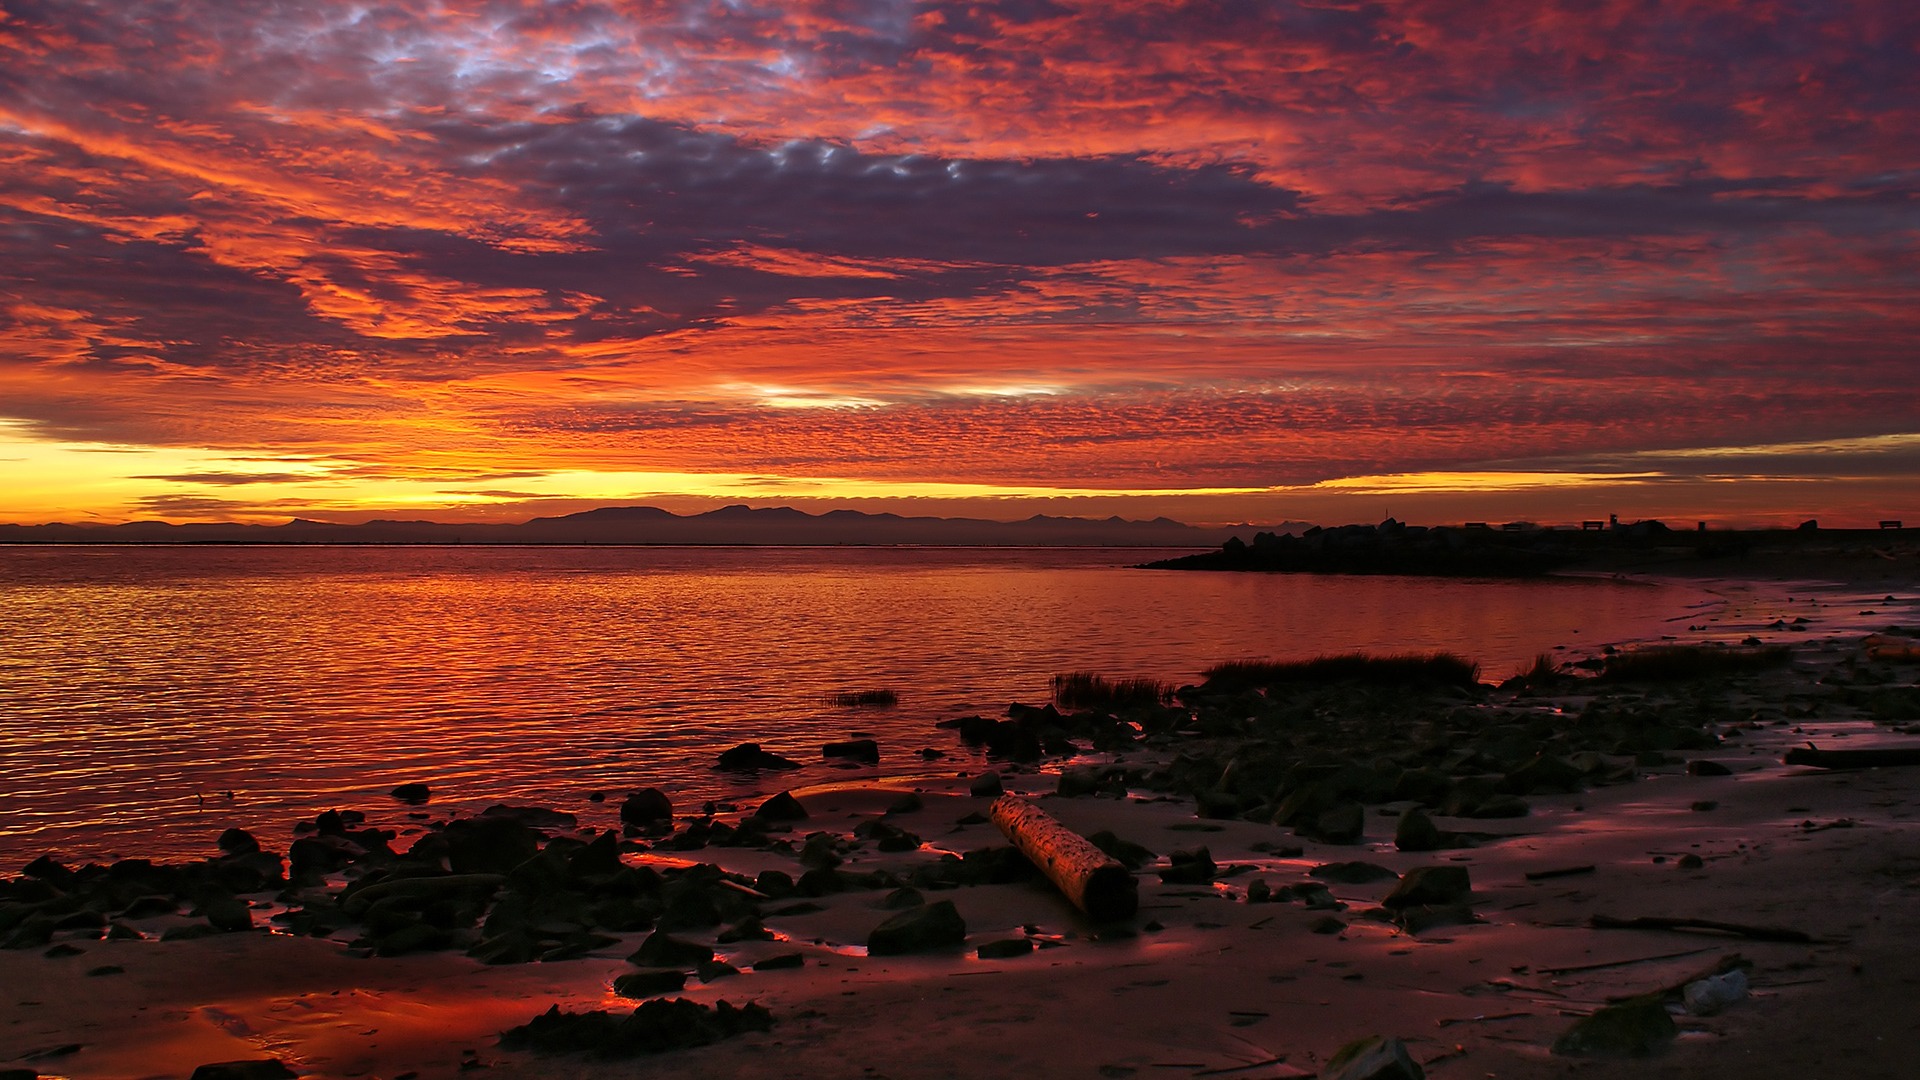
1094,881
1869,758
1662,922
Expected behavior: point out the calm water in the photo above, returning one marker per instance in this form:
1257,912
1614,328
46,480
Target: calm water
138,686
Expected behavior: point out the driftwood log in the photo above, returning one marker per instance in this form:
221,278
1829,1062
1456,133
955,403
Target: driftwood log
1094,881
1888,757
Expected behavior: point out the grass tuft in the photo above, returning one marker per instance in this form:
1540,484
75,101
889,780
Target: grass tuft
1674,663
1398,669
1085,690
852,698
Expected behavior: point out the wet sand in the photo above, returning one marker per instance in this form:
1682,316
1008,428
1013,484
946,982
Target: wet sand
1206,984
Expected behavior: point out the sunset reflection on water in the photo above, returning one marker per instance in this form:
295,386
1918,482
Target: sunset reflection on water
140,686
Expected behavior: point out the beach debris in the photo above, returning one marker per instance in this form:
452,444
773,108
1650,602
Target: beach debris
1559,872
656,1026
1092,880
930,926
255,1069
1705,767
861,750
750,757
1634,1028
646,807
1872,758
414,794
1375,1057
1658,922
1708,996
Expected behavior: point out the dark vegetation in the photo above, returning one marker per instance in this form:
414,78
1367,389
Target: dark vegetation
1400,669
1085,690
853,698
1675,663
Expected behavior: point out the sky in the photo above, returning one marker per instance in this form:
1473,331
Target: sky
1225,261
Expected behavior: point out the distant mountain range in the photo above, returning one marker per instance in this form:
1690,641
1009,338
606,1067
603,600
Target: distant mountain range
652,525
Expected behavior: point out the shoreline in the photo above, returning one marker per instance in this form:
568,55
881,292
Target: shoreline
1206,983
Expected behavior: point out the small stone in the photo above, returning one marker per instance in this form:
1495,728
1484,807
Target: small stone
1353,873
1343,824
412,794
1376,1057
781,807
1690,861
863,750
1703,767
932,926
1426,885
782,962
256,1069
1701,806
986,784
1630,1029
1417,832
662,949
1004,949
902,898
1194,867
237,842
106,969
751,756
1327,924
646,806
906,804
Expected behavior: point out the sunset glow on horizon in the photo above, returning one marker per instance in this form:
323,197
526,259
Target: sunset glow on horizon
1222,262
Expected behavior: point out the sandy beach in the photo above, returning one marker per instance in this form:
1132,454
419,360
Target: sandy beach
1249,972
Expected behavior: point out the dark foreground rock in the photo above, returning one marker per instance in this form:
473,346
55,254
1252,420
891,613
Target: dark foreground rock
1630,1029
1374,1058
655,1027
748,756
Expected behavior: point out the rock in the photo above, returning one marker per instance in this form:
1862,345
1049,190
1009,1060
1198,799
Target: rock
1703,767
902,899
1352,873
715,970
747,929
1631,1029
1327,924
648,982
1004,949
986,784
1420,918
662,949
534,817
412,794
932,926
1194,867
1430,885
782,962
658,1025
488,845
748,756
237,842
646,806
781,807
227,913
1376,1057
1343,824
863,750
146,907
906,804
1690,861
255,1069
1417,832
